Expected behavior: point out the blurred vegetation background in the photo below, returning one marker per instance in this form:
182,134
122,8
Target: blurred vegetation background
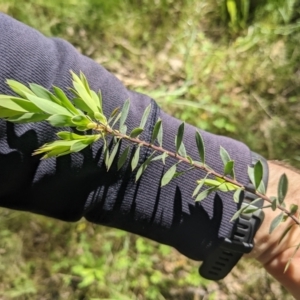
228,66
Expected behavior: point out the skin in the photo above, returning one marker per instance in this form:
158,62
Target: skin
267,251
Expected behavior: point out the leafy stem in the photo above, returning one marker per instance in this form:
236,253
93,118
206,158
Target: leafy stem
85,113
195,165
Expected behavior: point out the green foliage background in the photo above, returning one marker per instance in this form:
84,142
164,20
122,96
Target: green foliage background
227,66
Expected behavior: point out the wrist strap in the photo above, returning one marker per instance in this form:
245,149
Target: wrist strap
221,261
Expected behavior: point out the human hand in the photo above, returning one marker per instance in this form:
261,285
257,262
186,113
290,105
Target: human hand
272,255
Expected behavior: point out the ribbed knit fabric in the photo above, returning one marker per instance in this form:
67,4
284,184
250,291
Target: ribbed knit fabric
78,185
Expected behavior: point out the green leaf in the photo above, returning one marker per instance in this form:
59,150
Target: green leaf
282,188
106,151
250,210
123,129
100,99
75,93
112,155
113,114
182,151
123,158
29,106
94,101
145,116
84,82
274,203
69,136
198,188
204,194
56,152
168,176
266,206
82,128
143,167
65,102
212,182
124,113
291,258
200,146
43,93
27,118
285,217
229,168
236,195
18,105
258,174
164,156
224,156
178,174
135,159
7,113
190,160
97,101
48,107
251,175
85,95
227,187
293,209
285,232
61,147
220,184
261,188
116,120
276,221
80,120
161,156
221,180
136,132
245,208
179,137
253,202
60,121
156,131
79,145
80,104
92,125
160,136
19,88
237,214
100,117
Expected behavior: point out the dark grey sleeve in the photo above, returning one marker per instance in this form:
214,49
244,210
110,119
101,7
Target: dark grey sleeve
78,185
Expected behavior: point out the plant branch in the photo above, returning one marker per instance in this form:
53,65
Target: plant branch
85,112
195,165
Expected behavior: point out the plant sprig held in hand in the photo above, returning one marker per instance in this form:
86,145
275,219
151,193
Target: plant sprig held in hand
85,113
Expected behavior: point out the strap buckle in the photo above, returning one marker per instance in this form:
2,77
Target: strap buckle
220,262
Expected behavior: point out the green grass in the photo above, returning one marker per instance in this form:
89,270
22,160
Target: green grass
206,62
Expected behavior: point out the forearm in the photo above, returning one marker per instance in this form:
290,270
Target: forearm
69,188
272,255
80,186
